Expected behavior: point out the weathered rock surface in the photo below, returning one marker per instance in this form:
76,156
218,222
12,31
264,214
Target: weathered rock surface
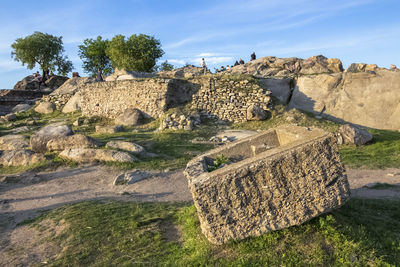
188,71
279,178
71,141
273,66
27,83
21,108
127,146
13,142
55,81
255,113
93,155
131,177
281,88
20,157
361,98
40,139
45,108
72,85
121,75
73,104
107,129
9,117
354,135
130,117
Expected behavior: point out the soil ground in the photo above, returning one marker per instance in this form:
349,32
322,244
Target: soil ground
26,195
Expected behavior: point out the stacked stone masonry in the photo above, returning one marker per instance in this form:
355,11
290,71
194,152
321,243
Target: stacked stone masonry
276,179
228,99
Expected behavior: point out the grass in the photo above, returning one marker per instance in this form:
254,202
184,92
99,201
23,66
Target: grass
383,152
361,233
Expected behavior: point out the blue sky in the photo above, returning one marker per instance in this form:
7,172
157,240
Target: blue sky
221,31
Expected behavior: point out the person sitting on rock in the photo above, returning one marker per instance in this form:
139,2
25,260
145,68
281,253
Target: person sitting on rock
241,62
99,76
223,68
236,63
253,56
228,67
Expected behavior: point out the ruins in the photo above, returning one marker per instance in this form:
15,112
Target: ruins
276,179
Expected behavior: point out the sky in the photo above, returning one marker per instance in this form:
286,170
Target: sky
222,31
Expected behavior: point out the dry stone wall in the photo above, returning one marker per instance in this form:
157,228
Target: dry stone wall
229,98
152,96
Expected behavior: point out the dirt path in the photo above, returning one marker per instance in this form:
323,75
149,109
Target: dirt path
25,196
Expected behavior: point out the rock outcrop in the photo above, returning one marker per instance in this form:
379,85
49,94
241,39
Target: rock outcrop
122,75
45,108
130,117
84,155
188,71
363,98
30,83
13,142
71,141
127,146
20,157
40,139
273,66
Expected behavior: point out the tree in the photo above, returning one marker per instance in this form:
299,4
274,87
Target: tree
165,66
93,55
43,49
137,53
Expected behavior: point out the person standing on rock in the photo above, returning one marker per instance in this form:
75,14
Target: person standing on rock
204,65
99,76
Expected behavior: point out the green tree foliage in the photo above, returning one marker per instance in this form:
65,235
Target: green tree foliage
93,55
43,49
137,53
165,66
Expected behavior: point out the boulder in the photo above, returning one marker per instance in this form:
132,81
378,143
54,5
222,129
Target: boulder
10,117
21,108
85,155
255,113
40,139
131,177
55,81
27,83
187,71
20,157
279,178
127,146
45,108
130,117
321,64
72,85
109,129
71,141
12,142
73,104
361,98
121,75
354,135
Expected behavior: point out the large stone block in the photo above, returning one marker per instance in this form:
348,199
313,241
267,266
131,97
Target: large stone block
279,178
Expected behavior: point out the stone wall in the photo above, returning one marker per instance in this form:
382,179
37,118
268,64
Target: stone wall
152,96
228,97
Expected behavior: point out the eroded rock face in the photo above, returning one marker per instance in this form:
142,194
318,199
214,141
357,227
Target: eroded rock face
127,146
273,66
53,131
362,98
20,157
85,155
130,117
354,135
13,142
72,141
45,108
276,179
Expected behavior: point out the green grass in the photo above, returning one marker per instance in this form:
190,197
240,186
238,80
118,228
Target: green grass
362,233
383,152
